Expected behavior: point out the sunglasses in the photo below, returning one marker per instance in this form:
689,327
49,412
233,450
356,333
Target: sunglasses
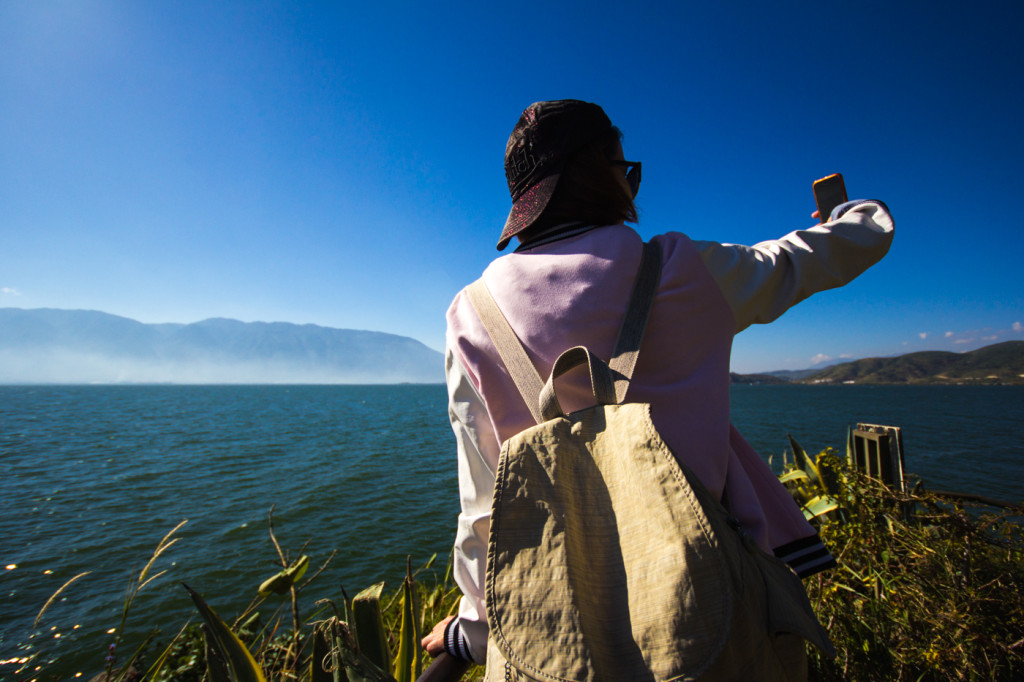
632,174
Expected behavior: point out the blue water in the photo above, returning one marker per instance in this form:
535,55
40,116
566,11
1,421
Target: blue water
961,438
96,475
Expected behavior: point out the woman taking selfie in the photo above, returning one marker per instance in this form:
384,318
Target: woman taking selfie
569,282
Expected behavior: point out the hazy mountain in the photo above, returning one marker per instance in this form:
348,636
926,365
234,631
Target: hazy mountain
999,363
83,346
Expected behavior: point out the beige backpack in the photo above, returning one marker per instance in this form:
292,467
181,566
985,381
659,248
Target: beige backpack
608,560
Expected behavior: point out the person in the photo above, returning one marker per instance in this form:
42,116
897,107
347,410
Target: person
568,283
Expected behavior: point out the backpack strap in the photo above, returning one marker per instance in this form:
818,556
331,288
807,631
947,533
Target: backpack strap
608,381
611,381
631,333
511,350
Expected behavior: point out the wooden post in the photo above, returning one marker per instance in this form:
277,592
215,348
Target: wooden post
878,452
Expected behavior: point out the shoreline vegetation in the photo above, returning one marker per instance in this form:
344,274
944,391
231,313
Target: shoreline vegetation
926,589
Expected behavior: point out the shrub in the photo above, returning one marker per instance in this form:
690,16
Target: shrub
925,589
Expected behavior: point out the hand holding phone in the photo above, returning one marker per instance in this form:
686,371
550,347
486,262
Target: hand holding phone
829,192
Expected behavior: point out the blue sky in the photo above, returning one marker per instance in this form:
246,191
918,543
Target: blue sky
340,163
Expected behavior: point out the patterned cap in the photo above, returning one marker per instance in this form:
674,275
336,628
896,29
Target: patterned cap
547,134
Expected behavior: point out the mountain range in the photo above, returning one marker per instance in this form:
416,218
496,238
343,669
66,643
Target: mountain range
999,363
85,346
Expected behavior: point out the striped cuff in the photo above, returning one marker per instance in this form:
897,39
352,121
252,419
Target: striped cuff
455,642
806,556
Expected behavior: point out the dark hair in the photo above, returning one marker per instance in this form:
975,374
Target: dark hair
590,190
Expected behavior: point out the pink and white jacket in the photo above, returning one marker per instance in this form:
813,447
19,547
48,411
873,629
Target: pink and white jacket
573,291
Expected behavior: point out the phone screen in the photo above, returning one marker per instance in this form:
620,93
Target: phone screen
829,192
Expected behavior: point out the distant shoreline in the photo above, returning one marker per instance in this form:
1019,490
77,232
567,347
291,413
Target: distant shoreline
959,382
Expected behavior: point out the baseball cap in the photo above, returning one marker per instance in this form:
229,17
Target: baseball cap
547,134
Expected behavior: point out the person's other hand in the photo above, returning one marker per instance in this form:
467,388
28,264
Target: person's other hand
816,216
434,642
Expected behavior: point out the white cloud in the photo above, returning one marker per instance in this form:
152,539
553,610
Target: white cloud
9,291
962,341
820,358
845,356
990,338
948,335
923,335
1017,327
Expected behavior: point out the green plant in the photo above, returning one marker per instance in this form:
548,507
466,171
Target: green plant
812,482
937,594
227,658
368,622
408,664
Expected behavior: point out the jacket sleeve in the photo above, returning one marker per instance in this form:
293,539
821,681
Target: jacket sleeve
761,282
478,451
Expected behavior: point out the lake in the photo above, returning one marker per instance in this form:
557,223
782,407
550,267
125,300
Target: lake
96,475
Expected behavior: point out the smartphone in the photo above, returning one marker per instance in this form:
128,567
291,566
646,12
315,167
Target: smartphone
829,192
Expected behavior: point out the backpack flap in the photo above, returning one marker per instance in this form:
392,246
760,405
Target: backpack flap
601,563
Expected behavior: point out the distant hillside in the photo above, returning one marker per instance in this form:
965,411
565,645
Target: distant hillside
780,376
793,374
756,378
82,346
999,363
